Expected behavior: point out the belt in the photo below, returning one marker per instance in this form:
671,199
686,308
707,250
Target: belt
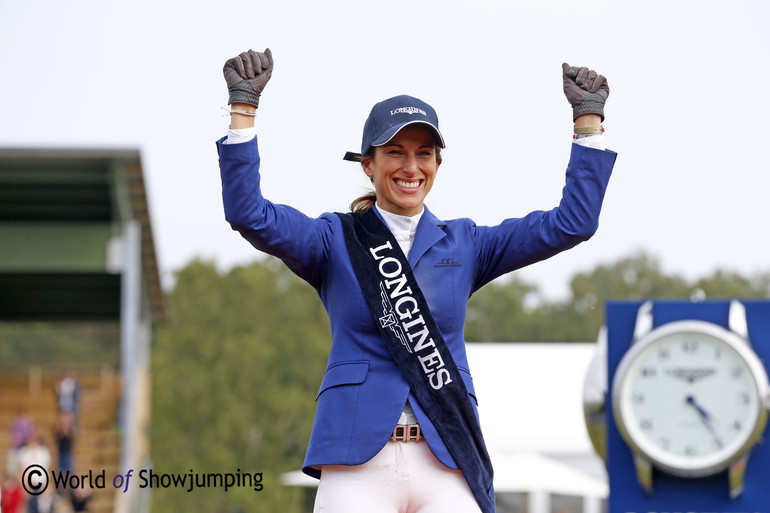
407,434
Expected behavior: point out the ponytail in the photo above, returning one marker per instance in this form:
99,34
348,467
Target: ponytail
363,203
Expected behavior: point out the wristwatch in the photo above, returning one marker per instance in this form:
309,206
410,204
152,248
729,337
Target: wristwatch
691,398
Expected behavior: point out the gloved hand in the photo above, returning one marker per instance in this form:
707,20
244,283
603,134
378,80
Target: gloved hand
586,90
247,75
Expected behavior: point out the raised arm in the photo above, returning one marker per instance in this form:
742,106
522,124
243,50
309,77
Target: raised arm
278,230
539,235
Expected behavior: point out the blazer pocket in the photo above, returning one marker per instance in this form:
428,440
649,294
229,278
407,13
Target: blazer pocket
344,373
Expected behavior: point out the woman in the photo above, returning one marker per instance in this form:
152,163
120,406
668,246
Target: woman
396,427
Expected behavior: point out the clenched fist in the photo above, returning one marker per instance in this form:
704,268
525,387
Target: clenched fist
585,89
246,76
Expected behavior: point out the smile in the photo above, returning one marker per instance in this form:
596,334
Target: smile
408,185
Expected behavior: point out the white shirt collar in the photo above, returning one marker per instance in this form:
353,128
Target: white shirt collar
403,228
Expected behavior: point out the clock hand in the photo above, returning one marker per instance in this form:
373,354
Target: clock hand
705,418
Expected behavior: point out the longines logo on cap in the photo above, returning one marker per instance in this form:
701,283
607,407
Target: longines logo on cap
408,110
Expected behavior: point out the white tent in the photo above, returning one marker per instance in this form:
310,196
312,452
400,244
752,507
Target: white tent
528,471
530,395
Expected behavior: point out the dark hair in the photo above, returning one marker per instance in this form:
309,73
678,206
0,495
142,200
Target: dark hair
367,201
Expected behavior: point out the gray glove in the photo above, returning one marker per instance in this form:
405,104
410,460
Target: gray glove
586,90
247,75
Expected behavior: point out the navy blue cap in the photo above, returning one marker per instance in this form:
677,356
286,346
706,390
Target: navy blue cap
391,115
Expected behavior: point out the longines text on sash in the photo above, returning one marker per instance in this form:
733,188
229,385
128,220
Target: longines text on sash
406,307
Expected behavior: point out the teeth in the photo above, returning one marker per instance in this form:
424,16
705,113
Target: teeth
407,185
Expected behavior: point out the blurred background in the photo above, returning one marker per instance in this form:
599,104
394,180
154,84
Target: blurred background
193,352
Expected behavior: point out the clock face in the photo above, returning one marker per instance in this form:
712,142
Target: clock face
690,396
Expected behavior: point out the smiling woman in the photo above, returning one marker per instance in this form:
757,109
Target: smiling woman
396,428
404,168
394,140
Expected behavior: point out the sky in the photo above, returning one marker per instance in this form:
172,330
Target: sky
688,111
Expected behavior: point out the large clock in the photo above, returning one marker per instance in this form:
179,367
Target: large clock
690,397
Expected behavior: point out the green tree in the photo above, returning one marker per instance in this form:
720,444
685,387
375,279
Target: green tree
640,277
635,277
498,312
722,284
70,342
234,379
509,311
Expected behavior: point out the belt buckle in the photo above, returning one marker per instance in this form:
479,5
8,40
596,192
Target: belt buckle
407,433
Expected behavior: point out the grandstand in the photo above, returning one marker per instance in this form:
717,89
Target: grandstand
77,247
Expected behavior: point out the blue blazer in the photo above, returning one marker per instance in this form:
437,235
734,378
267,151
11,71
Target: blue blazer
363,392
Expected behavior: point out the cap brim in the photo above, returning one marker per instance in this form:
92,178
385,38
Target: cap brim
352,157
391,132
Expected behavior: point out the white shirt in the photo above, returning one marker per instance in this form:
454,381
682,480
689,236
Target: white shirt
403,228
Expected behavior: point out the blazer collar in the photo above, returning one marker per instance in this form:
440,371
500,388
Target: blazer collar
429,232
